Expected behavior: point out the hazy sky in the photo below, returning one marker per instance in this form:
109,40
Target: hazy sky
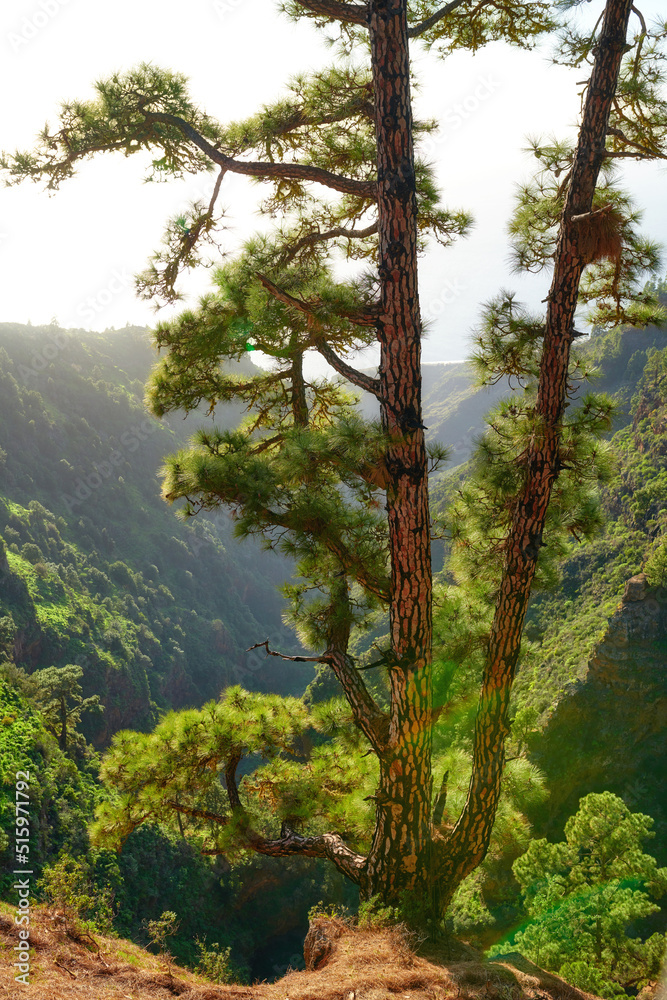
72,255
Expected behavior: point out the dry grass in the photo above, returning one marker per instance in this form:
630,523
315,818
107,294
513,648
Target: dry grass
108,969
362,965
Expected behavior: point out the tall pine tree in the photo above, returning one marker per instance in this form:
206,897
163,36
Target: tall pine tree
350,501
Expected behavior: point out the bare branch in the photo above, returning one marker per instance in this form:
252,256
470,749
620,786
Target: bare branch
635,156
216,192
285,171
592,214
365,382
640,41
284,656
371,720
347,12
326,845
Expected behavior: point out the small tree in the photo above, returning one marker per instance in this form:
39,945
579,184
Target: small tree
159,930
69,885
59,697
583,893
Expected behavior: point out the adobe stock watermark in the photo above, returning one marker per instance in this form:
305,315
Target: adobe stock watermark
130,441
457,115
224,7
450,291
93,305
32,24
22,871
42,356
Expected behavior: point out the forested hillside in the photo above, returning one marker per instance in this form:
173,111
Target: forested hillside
97,569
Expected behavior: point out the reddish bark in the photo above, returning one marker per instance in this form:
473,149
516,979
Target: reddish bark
399,856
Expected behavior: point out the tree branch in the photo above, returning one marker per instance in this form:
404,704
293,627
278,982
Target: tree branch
285,171
644,151
369,718
347,12
372,581
197,813
230,782
326,845
365,382
285,656
331,234
362,317
372,721
429,22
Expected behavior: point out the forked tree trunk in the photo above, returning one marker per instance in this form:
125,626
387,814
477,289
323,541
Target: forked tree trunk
400,852
469,840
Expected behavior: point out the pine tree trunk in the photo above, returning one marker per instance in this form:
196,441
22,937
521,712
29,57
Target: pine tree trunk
469,840
400,854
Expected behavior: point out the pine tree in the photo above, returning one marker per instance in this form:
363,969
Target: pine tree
350,501
59,697
583,894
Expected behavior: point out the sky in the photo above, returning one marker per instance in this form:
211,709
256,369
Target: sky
72,256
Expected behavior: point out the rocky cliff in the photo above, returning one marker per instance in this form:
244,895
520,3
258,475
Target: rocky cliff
607,731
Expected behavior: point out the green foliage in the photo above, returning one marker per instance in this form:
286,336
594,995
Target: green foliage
508,345
70,887
374,915
302,472
182,760
469,915
613,281
61,795
217,965
588,978
564,625
583,893
656,565
161,929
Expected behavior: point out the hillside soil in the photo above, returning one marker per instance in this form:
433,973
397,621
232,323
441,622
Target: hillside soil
346,964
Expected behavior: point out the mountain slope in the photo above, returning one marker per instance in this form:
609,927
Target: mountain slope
97,568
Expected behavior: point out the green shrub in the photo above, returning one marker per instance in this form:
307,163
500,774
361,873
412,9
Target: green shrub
216,964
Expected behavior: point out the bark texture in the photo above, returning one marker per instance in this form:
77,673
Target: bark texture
400,852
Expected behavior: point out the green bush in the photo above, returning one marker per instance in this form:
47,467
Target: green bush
584,893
